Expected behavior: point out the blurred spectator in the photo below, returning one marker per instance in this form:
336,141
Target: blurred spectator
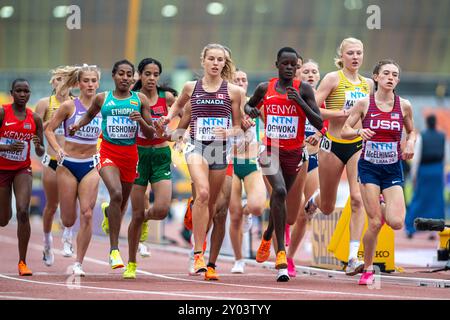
428,177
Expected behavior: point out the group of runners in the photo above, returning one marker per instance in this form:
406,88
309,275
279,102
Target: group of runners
271,143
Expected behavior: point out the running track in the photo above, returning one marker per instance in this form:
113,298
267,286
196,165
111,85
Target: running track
164,276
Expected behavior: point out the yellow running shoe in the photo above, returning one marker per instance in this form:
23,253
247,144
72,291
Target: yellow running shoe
130,271
281,262
115,260
263,252
144,232
105,222
199,263
211,274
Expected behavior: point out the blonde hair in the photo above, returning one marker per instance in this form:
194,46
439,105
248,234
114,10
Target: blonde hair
229,69
340,50
72,75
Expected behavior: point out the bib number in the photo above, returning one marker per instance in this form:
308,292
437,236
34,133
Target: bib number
325,144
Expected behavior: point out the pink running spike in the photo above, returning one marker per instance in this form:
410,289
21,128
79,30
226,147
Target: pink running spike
292,272
367,278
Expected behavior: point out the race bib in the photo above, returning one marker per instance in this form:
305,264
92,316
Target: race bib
60,130
46,159
325,144
205,128
14,155
90,131
352,96
282,127
121,127
381,152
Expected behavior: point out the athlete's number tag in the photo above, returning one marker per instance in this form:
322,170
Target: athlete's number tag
188,148
14,155
90,131
381,152
60,130
325,144
352,96
121,127
205,128
96,159
281,127
46,160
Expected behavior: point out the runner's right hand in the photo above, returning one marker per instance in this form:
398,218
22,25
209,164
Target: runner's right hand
73,128
17,146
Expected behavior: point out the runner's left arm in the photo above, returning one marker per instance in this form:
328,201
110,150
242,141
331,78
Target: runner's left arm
408,124
307,101
38,138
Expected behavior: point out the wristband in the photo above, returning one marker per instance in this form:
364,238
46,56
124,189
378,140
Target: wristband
323,131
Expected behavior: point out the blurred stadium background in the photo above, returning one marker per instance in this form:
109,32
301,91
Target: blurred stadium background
35,38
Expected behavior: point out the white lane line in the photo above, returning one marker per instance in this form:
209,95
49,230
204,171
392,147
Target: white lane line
203,282
21,298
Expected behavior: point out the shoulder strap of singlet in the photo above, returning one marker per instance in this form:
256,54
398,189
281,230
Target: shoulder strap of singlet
397,105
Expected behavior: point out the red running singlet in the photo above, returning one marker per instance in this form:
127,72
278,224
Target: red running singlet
384,147
284,119
12,130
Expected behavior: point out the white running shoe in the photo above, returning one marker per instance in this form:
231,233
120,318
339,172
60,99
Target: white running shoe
247,224
77,270
143,250
191,264
238,266
354,266
311,206
283,275
49,257
67,248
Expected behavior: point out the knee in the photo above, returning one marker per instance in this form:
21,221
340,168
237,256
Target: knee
396,224
4,221
116,196
327,209
356,200
202,195
160,212
375,225
50,208
279,192
255,208
86,215
22,215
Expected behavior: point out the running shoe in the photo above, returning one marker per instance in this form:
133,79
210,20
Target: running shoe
143,250
130,271
291,268
67,248
311,206
238,266
287,235
105,222
367,278
144,232
48,256
191,264
247,223
263,252
282,275
199,263
211,274
188,214
77,270
354,266
115,260
23,269
281,262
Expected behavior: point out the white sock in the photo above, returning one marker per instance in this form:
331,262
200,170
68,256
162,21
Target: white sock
67,234
354,247
48,239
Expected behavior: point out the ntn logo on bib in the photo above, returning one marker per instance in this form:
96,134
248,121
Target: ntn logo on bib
381,152
205,127
352,96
